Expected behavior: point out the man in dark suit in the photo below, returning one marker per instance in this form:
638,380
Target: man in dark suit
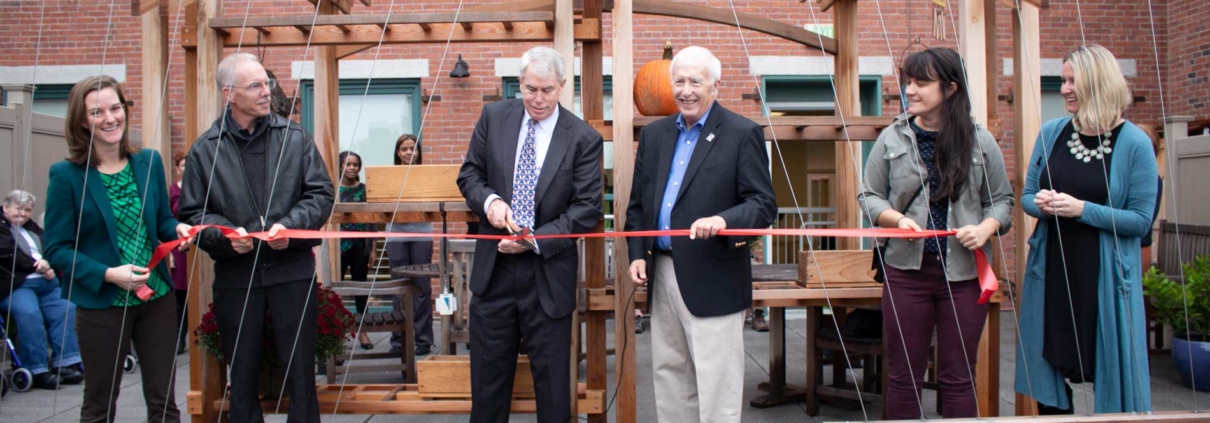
705,169
531,165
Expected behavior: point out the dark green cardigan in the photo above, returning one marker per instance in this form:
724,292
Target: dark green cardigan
83,263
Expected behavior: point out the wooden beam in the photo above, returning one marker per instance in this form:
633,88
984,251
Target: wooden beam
517,6
825,5
346,51
141,7
1026,124
303,29
376,20
974,55
153,44
566,46
467,26
508,26
847,104
623,173
327,129
1012,4
202,106
426,27
727,17
345,6
591,97
527,32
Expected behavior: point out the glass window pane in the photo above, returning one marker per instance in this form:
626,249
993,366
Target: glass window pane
51,107
383,118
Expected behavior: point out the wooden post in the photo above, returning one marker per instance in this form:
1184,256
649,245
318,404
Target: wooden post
987,382
202,107
972,34
154,46
591,99
565,44
847,104
1026,124
327,134
623,171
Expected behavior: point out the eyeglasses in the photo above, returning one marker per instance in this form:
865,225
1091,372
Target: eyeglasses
256,86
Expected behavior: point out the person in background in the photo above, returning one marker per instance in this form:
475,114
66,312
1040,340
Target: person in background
1092,176
179,261
356,254
933,168
30,293
412,250
106,212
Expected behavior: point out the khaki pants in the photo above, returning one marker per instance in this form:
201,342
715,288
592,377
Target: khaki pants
698,362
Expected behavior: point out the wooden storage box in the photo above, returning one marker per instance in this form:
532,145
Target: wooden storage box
424,183
449,376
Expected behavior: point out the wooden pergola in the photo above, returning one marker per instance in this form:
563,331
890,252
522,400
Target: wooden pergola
339,33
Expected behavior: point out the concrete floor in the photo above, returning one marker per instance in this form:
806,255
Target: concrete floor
63,405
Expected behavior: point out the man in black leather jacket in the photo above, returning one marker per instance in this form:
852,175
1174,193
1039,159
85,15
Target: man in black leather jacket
256,171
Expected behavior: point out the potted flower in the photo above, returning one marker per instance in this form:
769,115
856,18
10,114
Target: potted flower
1186,308
334,327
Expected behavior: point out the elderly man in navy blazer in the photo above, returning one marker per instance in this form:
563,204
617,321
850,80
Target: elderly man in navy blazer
705,169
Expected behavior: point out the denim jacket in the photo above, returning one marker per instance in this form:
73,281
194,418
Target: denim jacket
893,173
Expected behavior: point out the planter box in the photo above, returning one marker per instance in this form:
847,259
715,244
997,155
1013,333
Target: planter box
384,184
449,376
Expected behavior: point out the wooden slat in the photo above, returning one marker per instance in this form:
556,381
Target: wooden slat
837,269
1027,122
726,16
623,170
379,19
449,376
424,183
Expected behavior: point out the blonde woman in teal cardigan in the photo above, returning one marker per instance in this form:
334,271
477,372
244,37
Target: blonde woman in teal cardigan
106,211
1091,184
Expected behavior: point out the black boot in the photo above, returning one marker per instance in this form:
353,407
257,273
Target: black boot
70,375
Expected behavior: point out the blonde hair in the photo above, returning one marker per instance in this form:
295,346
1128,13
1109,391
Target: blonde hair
1099,86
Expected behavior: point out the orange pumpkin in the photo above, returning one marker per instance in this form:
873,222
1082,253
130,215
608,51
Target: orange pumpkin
653,86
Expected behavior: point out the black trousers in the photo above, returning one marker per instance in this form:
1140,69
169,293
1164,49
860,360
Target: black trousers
502,317
286,303
105,336
415,252
358,262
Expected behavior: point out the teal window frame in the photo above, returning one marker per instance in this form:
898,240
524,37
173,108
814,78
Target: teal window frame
407,86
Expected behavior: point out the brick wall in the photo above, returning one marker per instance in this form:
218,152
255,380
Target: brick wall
73,32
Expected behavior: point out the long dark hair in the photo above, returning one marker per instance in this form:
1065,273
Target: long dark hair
956,136
344,156
415,156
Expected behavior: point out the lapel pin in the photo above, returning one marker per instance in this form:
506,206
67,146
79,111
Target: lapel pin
710,138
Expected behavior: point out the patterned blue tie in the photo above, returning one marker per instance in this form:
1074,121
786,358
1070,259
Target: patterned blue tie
526,180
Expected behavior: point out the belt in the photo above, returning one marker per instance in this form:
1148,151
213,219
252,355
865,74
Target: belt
662,252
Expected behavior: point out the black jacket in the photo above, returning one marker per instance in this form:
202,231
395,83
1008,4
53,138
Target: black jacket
727,176
301,198
23,266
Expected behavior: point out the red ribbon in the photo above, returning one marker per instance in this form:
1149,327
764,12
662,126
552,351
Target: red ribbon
987,278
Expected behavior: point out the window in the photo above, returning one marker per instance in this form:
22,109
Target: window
1053,105
49,99
390,108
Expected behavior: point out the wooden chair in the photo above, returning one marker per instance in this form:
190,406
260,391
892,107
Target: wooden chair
389,321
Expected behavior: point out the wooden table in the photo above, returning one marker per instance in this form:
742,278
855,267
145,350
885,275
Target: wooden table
776,287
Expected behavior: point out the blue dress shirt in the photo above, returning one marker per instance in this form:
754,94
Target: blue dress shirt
686,141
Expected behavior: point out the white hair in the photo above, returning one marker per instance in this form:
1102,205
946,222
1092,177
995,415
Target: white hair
546,61
698,55
226,69
19,198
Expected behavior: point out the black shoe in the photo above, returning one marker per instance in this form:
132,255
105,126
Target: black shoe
70,375
395,349
423,349
46,380
639,324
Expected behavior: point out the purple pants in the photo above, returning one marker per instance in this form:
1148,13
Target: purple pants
922,302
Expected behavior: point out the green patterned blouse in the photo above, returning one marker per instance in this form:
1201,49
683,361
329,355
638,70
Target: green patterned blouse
132,232
355,194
